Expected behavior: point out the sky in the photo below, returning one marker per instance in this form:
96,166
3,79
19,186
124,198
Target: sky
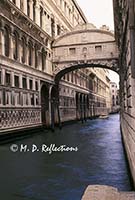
100,12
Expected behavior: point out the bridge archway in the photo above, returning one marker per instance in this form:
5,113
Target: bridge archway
84,47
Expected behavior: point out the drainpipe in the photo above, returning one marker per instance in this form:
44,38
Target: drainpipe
132,34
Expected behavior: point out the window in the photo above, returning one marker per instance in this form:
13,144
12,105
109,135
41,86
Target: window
7,79
36,85
21,5
72,77
32,99
15,45
6,41
43,59
28,7
41,16
36,56
30,53
16,78
0,77
31,84
24,83
72,51
34,15
98,49
68,77
58,30
52,27
23,47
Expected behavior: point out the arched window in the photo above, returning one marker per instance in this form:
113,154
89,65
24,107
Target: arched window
28,8
34,11
6,41
29,53
41,16
36,56
22,5
43,59
15,45
23,49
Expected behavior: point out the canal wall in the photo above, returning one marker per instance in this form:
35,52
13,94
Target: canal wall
124,20
128,133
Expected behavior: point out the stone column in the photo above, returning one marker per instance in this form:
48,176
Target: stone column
39,60
28,83
33,56
19,49
20,81
18,3
12,80
48,24
2,41
43,20
3,76
34,86
11,45
31,9
25,7
37,13
26,54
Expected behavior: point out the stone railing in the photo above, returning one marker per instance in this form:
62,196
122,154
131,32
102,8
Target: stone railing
12,118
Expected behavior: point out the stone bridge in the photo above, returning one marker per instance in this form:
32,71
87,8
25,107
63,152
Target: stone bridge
86,46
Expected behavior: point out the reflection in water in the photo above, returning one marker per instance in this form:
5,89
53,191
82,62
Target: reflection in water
64,176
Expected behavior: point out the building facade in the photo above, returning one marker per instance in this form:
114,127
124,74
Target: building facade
124,17
114,97
28,29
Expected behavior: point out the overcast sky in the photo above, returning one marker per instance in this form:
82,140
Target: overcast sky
99,12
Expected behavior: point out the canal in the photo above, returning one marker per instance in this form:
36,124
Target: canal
57,175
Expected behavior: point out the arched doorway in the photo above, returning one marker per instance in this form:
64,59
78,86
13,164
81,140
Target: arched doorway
77,106
45,105
55,112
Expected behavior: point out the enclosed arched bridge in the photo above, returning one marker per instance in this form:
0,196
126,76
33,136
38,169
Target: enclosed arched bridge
86,46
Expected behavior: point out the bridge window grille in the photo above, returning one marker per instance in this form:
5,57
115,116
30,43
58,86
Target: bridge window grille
72,51
98,49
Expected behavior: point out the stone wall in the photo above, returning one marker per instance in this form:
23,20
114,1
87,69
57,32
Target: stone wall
124,17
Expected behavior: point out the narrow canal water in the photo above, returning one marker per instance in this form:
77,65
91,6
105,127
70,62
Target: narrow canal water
65,175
